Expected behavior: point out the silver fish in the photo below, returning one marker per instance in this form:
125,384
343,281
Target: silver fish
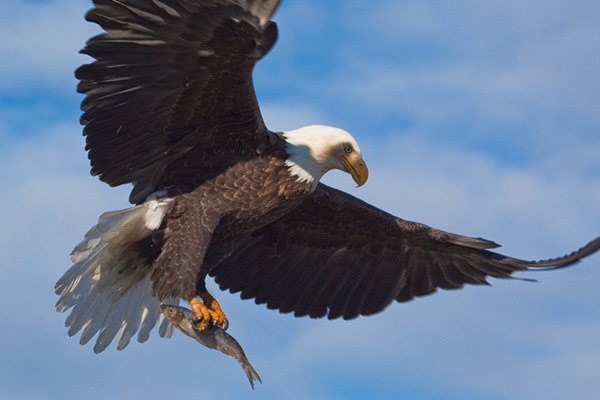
212,337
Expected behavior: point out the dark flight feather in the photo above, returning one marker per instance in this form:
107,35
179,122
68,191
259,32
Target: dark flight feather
337,256
171,80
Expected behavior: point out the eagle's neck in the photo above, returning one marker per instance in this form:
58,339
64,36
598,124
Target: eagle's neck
308,151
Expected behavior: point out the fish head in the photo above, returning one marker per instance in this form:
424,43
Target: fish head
173,314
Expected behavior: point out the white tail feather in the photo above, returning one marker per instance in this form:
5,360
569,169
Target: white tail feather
108,288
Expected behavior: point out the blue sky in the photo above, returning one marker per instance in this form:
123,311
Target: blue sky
481,118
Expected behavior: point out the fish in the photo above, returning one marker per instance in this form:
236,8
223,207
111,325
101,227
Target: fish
212,337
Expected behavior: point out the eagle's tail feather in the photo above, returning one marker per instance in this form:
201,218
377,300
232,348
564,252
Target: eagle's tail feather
108,288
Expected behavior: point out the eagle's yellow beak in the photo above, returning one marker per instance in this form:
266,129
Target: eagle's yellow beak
356,167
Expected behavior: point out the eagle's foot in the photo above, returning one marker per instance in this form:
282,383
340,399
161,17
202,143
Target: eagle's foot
208,311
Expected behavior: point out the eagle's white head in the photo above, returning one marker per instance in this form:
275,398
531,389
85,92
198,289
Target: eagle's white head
315,149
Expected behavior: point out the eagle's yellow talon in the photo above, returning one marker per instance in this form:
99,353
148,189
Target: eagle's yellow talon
208,312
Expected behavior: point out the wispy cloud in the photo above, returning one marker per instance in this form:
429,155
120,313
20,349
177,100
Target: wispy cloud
41,43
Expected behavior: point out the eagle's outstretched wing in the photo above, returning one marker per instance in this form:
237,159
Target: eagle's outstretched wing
338,256
172,78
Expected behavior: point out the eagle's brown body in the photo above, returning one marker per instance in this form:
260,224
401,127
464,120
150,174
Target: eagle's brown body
216,216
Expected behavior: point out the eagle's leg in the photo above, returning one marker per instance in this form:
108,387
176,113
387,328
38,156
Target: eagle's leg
208,311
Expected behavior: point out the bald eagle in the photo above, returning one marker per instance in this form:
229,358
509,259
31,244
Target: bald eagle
170,108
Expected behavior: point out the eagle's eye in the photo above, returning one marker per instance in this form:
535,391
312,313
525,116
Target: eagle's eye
348,149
